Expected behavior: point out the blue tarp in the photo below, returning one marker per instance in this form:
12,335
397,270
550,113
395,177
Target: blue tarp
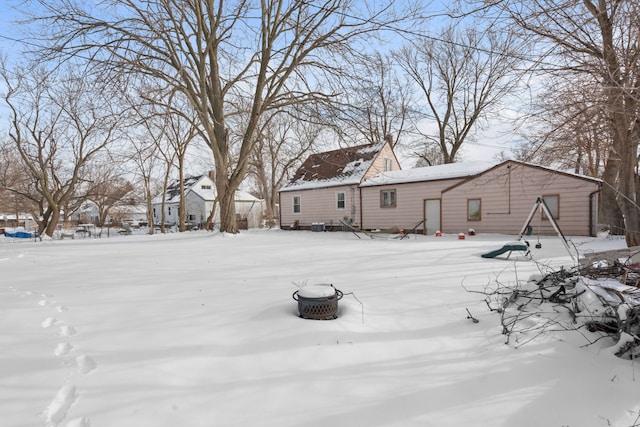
20,234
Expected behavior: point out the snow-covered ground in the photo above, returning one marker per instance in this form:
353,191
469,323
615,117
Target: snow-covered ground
200,329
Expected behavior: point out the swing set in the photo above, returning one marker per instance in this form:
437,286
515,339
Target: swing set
523,245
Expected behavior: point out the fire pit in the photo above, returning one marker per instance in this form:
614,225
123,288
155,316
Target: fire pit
319,302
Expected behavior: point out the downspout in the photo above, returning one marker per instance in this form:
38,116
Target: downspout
592,231
280,209
509,191
360,196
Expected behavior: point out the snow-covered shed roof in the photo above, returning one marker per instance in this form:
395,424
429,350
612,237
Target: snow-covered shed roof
344,166
429,173
243,196
550,169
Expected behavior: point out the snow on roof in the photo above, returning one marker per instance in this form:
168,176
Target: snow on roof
195,184
563,171
190,184
345,166
243,196
429,173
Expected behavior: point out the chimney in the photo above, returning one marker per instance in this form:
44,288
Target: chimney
212,175
389,138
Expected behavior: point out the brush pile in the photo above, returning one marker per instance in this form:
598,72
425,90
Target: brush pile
599,299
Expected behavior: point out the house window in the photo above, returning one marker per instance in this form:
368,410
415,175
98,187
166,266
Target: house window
388,164
388,198
205,187
473,210
553,203
169,210
340,200
297,204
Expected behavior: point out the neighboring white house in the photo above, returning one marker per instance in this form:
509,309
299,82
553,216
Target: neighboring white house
200,196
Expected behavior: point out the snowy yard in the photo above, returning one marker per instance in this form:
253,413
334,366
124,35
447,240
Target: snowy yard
200,329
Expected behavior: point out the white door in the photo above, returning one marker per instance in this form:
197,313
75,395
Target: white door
432,215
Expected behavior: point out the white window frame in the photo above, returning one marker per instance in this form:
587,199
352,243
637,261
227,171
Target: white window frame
297,198
344,200
470,213
388,198
388,164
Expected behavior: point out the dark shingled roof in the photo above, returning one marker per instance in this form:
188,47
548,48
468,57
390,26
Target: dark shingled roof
341,164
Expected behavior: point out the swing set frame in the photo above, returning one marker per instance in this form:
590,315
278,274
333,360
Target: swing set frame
540,204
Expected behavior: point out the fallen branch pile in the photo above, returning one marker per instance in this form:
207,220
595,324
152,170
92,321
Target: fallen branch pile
600,299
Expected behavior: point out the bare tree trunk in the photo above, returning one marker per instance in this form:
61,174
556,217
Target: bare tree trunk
228,222
610,208
210,219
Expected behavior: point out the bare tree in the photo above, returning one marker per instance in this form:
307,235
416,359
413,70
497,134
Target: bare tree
373,103
59,122
107,187
570,130
17,196
282,144
598,40
175,120
462,74
142,154
219,52
150,150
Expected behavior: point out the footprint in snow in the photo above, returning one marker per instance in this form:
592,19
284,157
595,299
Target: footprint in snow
85,364
44,302
67,331
62,349
49,322
57,409
79,422
62,308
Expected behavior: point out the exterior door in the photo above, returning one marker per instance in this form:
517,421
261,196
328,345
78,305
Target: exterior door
432,216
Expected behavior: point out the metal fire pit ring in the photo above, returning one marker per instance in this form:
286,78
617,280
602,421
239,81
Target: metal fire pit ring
318,302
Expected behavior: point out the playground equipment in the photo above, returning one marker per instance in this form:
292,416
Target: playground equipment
519,246
523,245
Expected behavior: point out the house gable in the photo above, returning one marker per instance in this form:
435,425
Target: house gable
504,195
515,163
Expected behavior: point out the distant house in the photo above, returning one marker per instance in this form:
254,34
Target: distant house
451,198
15,221
326,187
200,197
